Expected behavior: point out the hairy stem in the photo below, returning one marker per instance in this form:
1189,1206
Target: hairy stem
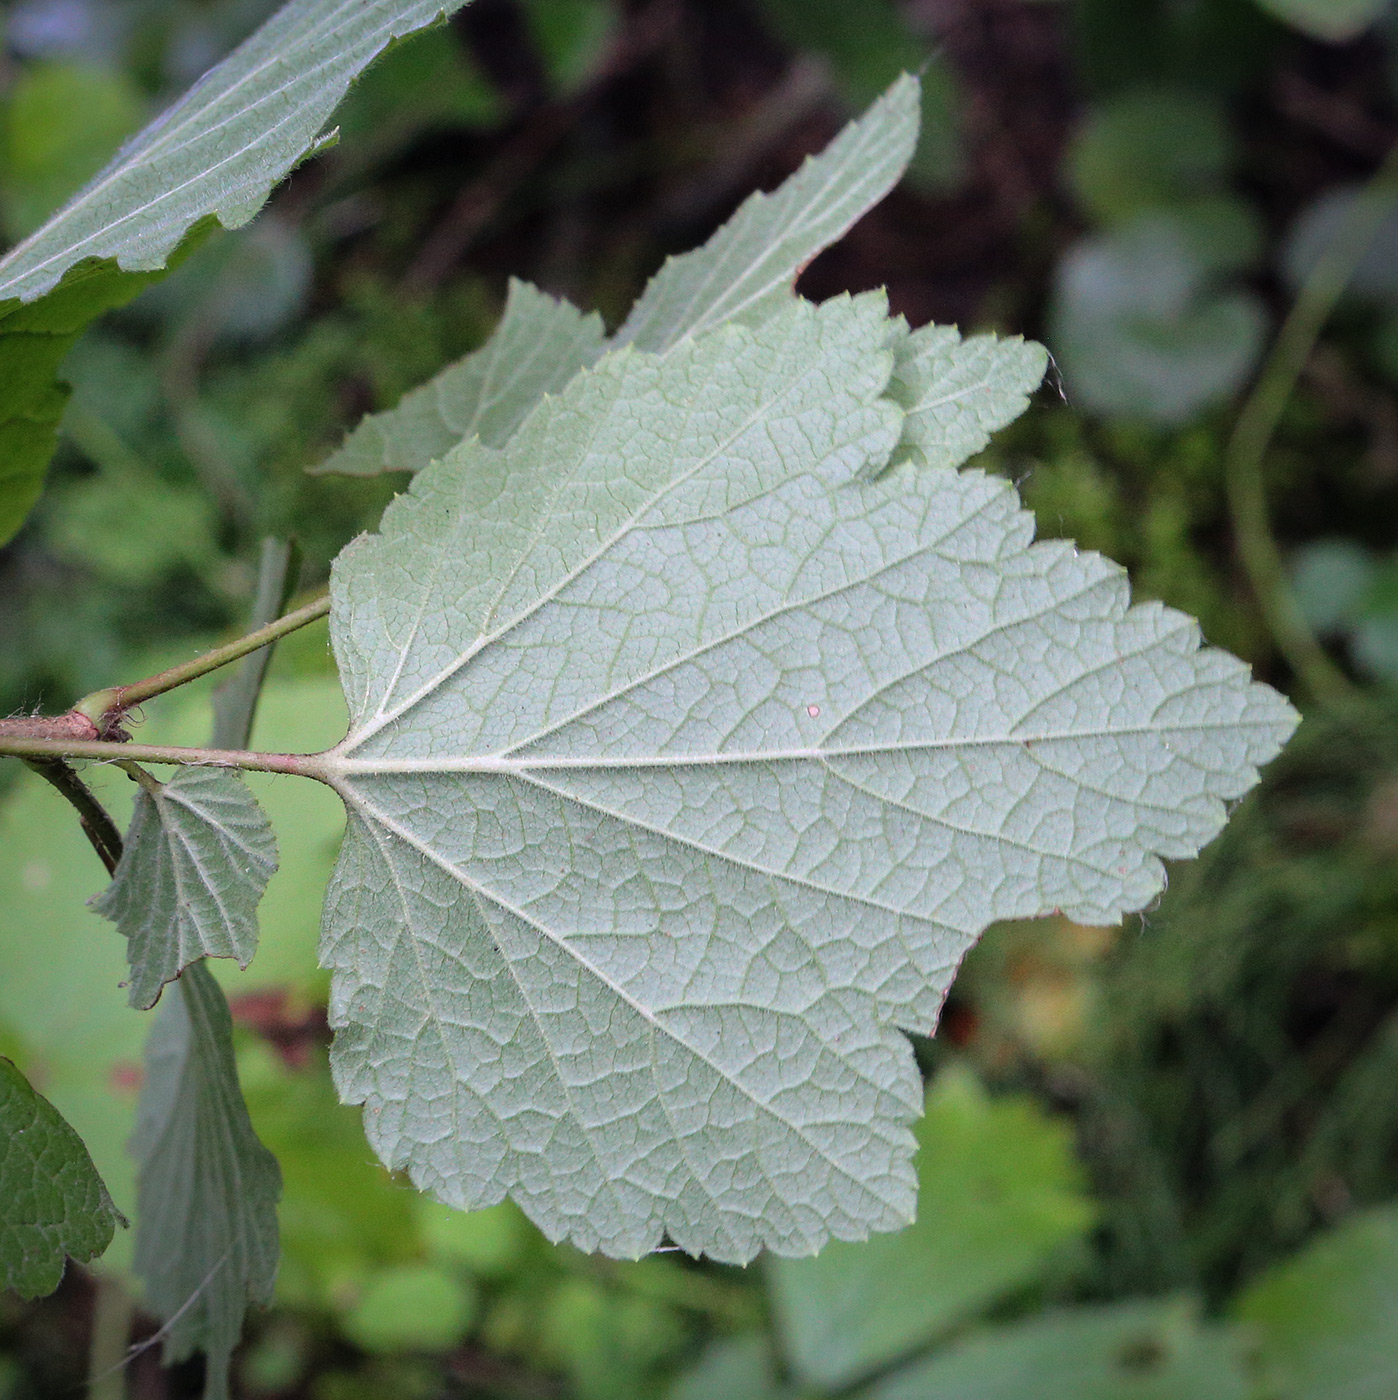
1257,423
97,824
106,751
105,707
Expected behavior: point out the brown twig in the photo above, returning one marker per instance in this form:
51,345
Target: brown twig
97,824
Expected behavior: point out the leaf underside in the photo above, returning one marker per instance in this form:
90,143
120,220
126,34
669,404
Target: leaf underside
212,157
691,748
52,1202
198,857
742,273
207,1189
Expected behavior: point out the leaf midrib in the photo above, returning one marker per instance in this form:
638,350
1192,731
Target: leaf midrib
335,766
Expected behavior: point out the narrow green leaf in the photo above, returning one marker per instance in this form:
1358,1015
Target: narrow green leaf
207,1190
1126,1351
684,766
52,1202
1326,1318
747,269
866,46
957,392
539,345
744,271
214,156
198,857
235,700
1000,1192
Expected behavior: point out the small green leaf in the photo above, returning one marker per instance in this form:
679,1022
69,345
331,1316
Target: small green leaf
33,342
1374,277
685,761
539,345
52,1202
490,1243
957,392
212,157
1150,147
1331,578
430,83
572,37
1127,1351
198,857
747,269
1000,1191
207,1189
1327,1317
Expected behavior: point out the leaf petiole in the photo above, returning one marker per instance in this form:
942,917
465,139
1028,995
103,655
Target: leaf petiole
106,707
307,765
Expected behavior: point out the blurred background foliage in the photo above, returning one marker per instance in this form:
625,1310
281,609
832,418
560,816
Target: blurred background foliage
1159,1162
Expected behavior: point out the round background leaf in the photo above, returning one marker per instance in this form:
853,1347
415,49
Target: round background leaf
1375,278
1138,331
1147,148
415,1307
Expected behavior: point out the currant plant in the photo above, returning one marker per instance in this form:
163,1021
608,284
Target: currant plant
703,713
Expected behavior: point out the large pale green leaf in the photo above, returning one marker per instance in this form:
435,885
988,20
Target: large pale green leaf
999,1192
1327,1319
207,1190
1128,1351
746,270
198,856
683,767
539,345
214,156
52,1202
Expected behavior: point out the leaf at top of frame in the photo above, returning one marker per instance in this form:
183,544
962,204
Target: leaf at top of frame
211,158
